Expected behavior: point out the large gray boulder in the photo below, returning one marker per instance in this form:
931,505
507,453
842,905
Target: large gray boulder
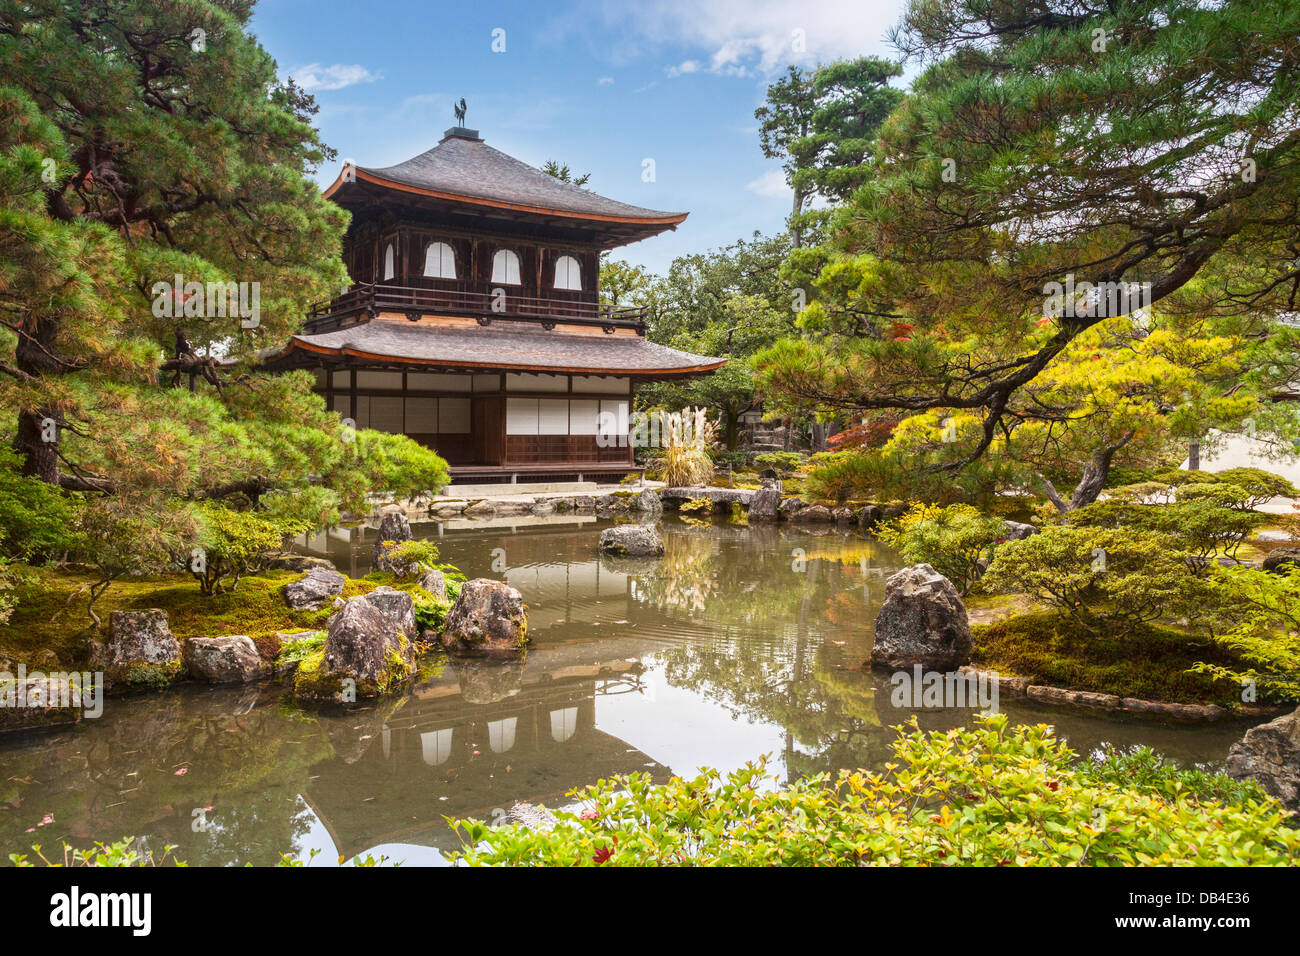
922,621
397,606
365,654
488,617
649,503
314,589
141,650
224,660
632,541
791,507
1270,753
394,530
765,505
1280,560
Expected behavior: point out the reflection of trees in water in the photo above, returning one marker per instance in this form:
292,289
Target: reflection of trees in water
119,777
758,582
790,680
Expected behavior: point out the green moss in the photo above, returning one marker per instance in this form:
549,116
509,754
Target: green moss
1150,662
297,649
51,614
311,681
149,675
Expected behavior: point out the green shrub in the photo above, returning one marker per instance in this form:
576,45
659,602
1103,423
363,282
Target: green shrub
1201,527
986,796
235,543
431,614
37,520
299,647
956,541
1262,614
1106,578
415,552
1259,486
784,462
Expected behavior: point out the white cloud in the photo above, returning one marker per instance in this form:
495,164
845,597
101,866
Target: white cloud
605,81
756,37
336,76
771,184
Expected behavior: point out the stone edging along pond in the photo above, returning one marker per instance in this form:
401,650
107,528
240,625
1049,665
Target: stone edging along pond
1094,700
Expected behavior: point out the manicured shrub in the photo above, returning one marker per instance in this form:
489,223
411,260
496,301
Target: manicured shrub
957,541
986,796
1106,578
784,462
234,543
1203,528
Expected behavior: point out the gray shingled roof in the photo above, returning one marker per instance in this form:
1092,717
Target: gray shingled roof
470,167
507,345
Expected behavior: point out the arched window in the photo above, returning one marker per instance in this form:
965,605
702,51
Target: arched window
568,274
439,261
389,269
505,267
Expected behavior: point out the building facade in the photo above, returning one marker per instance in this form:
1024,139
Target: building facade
474,322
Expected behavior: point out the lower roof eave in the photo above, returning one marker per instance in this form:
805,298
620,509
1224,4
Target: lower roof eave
301,354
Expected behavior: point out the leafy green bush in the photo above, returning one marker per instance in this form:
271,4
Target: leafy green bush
299,647
421,552
1202,527
431,614
1106,578
956,541
986,796
235,543
37,520
1259,486
784,462
1263,614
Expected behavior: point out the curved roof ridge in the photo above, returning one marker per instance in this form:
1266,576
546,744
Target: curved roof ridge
469,167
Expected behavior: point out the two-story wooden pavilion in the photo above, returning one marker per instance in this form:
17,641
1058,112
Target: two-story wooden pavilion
474,324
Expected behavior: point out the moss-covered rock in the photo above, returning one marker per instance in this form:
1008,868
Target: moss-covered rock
141,650
365,654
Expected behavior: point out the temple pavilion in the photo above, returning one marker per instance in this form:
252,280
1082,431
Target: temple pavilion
474,323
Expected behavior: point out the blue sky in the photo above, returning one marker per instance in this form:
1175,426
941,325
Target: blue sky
597,84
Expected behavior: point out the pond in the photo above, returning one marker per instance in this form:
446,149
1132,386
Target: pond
741,642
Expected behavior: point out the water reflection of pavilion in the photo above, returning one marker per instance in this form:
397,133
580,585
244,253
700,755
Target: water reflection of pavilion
471,744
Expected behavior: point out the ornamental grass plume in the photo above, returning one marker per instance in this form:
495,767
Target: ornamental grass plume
687,437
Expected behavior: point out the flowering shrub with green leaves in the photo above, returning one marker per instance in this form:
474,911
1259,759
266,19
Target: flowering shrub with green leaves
988,795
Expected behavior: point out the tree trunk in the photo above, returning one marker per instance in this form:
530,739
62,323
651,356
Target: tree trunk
1194,456
796,239
1090,485
730,428
818,436
37,441
40,457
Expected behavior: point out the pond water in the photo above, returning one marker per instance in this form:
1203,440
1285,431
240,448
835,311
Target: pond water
741,642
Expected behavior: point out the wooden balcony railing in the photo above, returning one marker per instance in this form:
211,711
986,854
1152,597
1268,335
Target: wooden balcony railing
474,299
